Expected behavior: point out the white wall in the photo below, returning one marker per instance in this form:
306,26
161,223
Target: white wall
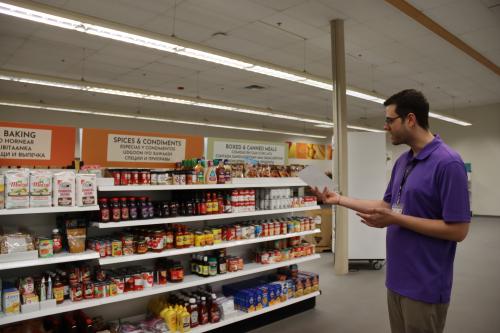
478,144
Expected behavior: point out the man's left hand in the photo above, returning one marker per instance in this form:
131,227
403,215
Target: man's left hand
378,217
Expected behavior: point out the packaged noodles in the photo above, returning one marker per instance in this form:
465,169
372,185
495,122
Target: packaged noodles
17,188
86,189
64,189
40,188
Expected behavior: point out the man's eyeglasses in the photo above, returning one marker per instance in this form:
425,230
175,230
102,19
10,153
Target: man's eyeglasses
389,120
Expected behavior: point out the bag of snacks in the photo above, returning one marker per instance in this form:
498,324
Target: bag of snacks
76,239
64,189
40,188
13,243
86,189
17,188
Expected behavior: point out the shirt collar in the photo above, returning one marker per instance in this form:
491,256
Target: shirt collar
427,150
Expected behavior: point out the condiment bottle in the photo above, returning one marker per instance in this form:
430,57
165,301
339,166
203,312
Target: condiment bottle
220,201
210,174
57,241
115,210
151,209
221,173
132,209
214,312
203,311
193,311
215,204
104,214
209,204
58,290
143,208
200,172
125,215
227,172
203,206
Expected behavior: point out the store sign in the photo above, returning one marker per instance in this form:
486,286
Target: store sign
309,151
116,148
34,145
132,148
25,143
244,151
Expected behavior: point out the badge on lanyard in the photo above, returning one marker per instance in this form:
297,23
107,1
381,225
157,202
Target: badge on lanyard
397,208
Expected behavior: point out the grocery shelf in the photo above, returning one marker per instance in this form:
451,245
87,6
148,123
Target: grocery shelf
223,245
182,219
46,210
189,281
56,259
236,183
243,315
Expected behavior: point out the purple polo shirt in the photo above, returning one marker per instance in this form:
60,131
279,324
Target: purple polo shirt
418,266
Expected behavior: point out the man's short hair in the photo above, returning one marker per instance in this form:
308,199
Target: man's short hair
411,101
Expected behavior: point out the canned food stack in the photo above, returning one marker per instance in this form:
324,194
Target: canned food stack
282,198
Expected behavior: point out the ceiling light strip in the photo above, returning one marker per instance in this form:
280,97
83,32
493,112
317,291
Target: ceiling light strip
40,14
133,93
366,129
151,118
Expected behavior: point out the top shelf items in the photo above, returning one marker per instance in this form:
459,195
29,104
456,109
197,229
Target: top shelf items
236,183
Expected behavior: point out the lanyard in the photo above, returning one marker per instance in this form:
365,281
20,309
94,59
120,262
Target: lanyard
409,168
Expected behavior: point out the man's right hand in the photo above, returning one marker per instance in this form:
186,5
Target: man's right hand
326,196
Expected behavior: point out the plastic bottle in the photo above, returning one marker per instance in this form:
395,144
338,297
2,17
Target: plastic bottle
57,240
221,173
200,172
125,214
210,174
58,290
115,210
227,170
203,311
214,312
132,209
193,311
215,204
209,204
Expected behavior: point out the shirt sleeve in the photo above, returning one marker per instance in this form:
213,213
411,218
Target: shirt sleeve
454,193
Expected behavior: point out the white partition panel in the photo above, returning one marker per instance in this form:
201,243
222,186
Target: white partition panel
367,180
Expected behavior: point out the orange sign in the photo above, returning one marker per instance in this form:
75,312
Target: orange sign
309,151
36,145
116,148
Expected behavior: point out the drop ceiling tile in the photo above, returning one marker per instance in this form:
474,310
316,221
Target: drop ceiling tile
190,64
241,10
279,4
365,37
191,11
275,37
462,16
361,10
183,29
484,39
292,25
493,55
170,70
428,4
397,26
236,45
314,13
111,11
14,26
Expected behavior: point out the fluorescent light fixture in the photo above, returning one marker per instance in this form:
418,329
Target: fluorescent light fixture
150,118
366,129
449,119
85,24
121,91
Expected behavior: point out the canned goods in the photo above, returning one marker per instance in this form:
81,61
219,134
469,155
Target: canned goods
209,237
199,239
99,290
134,177
138,282
161,277
88,290
238,233
258,230
129,283
116,248
116,177
217,232
125,177
120,284
147,278
113,289
76,292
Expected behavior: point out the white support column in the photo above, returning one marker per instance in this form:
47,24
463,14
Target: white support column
339,107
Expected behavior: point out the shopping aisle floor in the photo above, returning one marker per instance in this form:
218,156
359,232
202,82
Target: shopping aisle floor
356,303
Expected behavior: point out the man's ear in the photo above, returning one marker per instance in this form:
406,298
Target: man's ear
412,120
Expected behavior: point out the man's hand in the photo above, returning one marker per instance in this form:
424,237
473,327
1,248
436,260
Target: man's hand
378,217
326,196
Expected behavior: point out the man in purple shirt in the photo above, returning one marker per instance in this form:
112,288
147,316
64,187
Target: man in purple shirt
426,212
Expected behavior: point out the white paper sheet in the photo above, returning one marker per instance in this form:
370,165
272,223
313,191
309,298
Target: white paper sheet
314,177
